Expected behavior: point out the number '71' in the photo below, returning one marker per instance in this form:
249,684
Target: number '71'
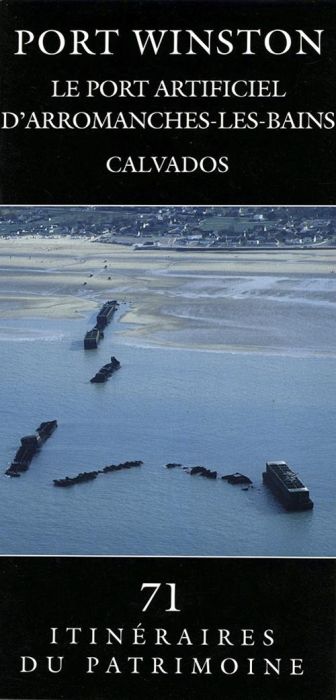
155,587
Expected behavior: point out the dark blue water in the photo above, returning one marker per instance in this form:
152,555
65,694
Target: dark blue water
225,411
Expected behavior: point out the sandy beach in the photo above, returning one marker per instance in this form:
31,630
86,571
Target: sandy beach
275,301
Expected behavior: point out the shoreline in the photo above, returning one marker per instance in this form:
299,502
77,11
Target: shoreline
270,301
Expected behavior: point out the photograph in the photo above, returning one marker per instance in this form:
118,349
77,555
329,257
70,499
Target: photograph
168,380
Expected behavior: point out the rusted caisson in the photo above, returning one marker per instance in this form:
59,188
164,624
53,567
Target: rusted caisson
287,486
104,316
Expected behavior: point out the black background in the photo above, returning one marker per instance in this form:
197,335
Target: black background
266,167
295,598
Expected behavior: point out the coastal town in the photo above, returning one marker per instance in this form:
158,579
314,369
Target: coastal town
178,227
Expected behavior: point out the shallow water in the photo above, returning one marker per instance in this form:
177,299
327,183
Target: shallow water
225,411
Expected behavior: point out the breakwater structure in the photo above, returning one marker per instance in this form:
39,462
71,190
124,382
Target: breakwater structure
92,338
203,471
106,371
287,486
30,445
236,478
103,318
83,477
279,477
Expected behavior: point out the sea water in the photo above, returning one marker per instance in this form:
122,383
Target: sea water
228,412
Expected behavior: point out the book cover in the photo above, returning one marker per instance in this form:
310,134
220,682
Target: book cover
167,330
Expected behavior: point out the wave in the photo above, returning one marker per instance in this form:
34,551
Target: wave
23,336
265,351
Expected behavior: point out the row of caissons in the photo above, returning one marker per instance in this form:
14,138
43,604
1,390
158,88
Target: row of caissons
89,476
93,336
30,445
278,476
289,490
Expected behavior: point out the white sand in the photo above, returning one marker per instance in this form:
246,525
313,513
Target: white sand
252,301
